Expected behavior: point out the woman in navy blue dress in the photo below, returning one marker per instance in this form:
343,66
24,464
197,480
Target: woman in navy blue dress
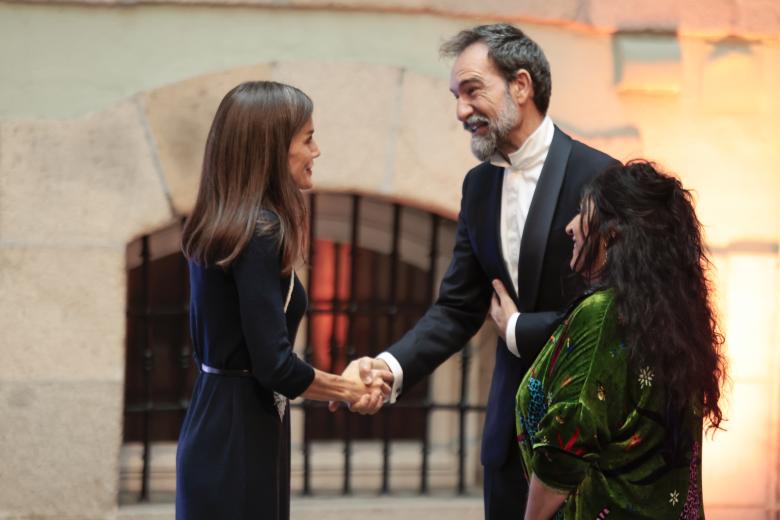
246,232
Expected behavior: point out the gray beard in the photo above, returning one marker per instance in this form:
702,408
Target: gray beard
483,147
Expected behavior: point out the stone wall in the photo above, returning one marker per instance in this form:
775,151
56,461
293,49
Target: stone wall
73,193
711,17
103,117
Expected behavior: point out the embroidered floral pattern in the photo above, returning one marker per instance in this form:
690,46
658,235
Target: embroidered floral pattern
579,393
646,376
281,404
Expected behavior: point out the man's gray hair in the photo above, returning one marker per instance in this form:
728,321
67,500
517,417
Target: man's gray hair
510,50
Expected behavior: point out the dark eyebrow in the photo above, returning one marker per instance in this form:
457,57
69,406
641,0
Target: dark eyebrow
465,83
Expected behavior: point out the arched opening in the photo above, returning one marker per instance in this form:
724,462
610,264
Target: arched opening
374,267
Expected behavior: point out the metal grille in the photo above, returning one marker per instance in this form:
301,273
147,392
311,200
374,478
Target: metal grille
384,284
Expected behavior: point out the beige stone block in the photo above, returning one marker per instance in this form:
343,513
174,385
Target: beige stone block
634,14
729,512
707,16
732,77
771,59
622,143
757,17
737,462
729,161
62,313
583,88
742,17
90,180
540,9
356,110
59,443
548,10
433,151
180,117
648,63
749,274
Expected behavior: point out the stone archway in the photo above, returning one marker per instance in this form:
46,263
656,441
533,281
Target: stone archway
391,146
78,191
382,130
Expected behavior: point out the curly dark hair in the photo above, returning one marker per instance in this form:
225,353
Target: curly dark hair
657,265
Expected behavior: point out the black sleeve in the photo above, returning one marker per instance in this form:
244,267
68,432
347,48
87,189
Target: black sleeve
533,329
457,314
257,273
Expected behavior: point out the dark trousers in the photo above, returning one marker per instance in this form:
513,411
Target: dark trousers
506,489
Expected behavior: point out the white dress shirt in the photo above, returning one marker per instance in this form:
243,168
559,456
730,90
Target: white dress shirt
521,174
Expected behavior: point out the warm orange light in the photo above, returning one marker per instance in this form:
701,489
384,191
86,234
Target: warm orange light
739,463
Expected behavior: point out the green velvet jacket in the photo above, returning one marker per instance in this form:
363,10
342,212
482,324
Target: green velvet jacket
589,424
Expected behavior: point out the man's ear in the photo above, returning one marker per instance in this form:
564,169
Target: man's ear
522,87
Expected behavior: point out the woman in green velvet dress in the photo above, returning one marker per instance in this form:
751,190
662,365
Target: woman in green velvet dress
610,415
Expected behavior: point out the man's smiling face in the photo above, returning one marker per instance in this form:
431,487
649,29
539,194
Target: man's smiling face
484,104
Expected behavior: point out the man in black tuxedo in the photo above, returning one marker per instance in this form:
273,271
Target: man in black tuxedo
511,255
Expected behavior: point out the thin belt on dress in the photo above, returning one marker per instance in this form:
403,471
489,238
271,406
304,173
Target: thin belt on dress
232,372
280,401
224,371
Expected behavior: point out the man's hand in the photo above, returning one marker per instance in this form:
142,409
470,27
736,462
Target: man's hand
501,307
376,375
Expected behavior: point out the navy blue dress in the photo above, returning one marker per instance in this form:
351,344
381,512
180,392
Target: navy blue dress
233,458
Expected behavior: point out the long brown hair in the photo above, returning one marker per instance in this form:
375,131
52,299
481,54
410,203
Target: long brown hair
245,174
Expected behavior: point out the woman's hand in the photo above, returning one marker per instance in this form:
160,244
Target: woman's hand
374,379
363,395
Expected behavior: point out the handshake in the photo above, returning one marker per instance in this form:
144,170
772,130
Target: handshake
370,381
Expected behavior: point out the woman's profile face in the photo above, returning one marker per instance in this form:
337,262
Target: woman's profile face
577,229
300,158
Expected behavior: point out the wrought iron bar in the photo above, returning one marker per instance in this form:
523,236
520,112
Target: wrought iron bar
395,257
350,346
147,368
433,253
309,352
334,328
462,409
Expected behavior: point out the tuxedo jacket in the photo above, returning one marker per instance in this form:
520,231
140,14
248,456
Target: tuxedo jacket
545,281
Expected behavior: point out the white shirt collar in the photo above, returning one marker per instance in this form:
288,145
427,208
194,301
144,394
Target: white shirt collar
532,152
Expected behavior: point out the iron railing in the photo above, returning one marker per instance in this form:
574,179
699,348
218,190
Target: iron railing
147,407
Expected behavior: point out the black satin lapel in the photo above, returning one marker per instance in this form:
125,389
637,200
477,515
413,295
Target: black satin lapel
540,217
